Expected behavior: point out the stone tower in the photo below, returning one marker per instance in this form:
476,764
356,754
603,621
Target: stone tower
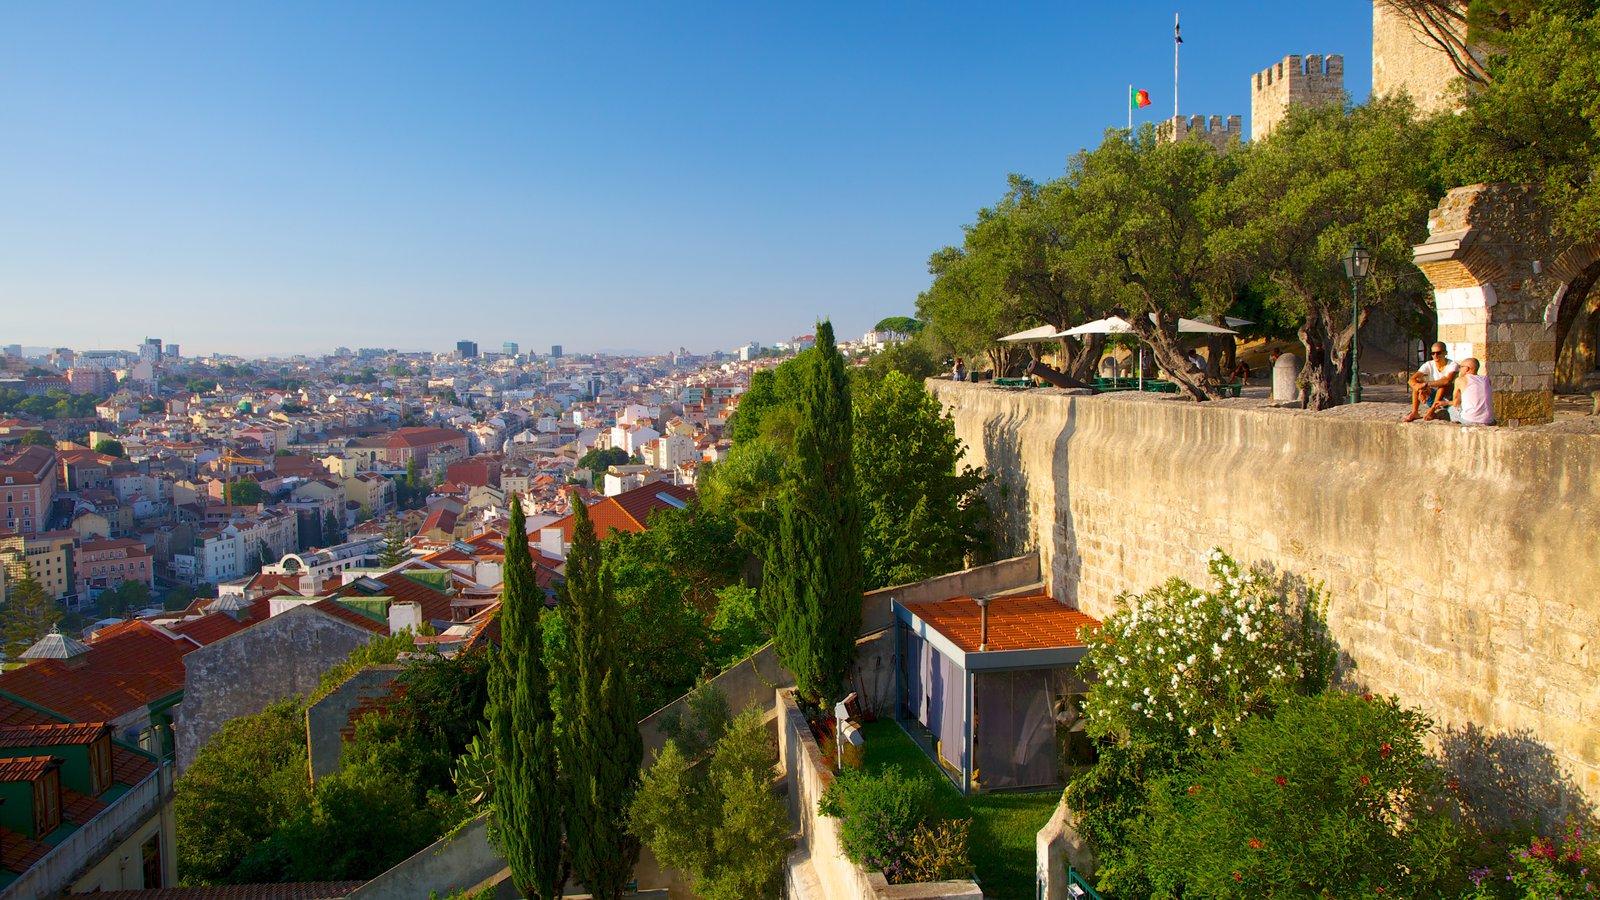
1216,133
1309,81
1404,59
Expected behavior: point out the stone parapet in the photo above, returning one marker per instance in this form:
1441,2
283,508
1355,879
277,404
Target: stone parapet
1459,563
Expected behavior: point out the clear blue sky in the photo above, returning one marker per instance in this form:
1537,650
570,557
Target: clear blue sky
288,177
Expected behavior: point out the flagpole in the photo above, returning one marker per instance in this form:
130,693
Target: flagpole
1176,43
1130,109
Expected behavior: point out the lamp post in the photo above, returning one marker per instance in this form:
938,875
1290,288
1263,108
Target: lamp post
1357,265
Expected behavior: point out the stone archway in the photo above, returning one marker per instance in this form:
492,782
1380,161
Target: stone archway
1509,292
1578,330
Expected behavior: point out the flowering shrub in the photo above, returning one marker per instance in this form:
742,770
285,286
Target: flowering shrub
1333,795
939,851
1177,664
1546,869
1175,671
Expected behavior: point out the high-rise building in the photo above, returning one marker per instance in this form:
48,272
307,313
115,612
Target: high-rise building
150,350
555,351
510,348
172,352
14,351
467,349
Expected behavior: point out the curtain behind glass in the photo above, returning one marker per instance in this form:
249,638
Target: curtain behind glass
1016,727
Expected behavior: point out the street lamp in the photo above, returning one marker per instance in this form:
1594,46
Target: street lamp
1357,265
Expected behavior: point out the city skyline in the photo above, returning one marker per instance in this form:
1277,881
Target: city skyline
270,181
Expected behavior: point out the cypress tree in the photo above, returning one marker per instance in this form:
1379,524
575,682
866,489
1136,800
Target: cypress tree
601,747
522,730
814,569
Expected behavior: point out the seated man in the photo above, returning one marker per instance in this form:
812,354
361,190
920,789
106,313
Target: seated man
1474,401
1434,380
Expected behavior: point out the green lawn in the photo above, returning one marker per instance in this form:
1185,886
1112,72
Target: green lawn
1003,824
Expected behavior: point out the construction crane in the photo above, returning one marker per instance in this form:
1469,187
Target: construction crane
228,460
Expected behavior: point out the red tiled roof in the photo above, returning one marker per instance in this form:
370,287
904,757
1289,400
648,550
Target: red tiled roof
128,767
422,437
435,605
54,734
26,768
441,518
129,665
211,627
1033,622
627,511
18,852
345,614
79,808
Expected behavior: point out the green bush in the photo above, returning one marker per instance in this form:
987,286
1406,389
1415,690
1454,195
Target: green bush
1543,868
878,816
1334,795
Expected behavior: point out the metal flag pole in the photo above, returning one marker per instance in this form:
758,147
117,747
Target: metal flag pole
1130,109
1177,41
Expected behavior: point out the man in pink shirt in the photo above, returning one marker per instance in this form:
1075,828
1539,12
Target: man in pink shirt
1474,400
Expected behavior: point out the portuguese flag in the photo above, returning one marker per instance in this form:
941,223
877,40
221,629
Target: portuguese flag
1138,99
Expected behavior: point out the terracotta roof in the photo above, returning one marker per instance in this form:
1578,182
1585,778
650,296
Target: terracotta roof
79,808
442,518
301,890
18,852
128,767
1033,622
211,627
421,437
26,768
55,734
345,614
131,664
435,604
628,511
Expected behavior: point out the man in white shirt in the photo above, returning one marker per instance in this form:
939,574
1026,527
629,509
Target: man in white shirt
1434,380
1474,402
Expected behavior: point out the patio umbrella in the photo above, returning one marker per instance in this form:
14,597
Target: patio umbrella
1117,325
1032,335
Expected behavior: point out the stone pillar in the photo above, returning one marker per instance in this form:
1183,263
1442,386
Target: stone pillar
1489,255
1285,379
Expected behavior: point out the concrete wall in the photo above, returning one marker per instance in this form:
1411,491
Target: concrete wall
1057,846
245,671
751,682
1459,564
818,869
459,862
327,718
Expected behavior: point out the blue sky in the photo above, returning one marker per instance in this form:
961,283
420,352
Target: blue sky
288,177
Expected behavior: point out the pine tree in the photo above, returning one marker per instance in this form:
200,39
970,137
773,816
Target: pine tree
601,747
522,731
814,568
28,613
394,547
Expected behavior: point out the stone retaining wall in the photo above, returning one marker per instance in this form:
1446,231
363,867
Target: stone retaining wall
1460,564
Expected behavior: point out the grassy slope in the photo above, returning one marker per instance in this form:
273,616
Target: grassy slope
1003,824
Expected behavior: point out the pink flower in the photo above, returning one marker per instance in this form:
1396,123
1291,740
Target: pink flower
1385,750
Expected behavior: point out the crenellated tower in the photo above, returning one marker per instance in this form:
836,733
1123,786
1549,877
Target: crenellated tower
1218,133
1311,80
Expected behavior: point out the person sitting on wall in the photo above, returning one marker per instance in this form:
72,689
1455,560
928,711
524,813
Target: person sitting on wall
1474,399
1434,381
958,372
1241,372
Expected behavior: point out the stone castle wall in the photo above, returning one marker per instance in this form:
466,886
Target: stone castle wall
1219,133
1293,80
1405,60
1460,564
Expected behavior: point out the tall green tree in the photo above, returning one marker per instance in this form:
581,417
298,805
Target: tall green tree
244,493
332,533
394,546
601,746
1143,210
28,613
37,438
527,788
814,568
1325,179
109,447
921,511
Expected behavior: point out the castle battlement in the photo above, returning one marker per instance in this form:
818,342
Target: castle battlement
1216,131
1308,80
